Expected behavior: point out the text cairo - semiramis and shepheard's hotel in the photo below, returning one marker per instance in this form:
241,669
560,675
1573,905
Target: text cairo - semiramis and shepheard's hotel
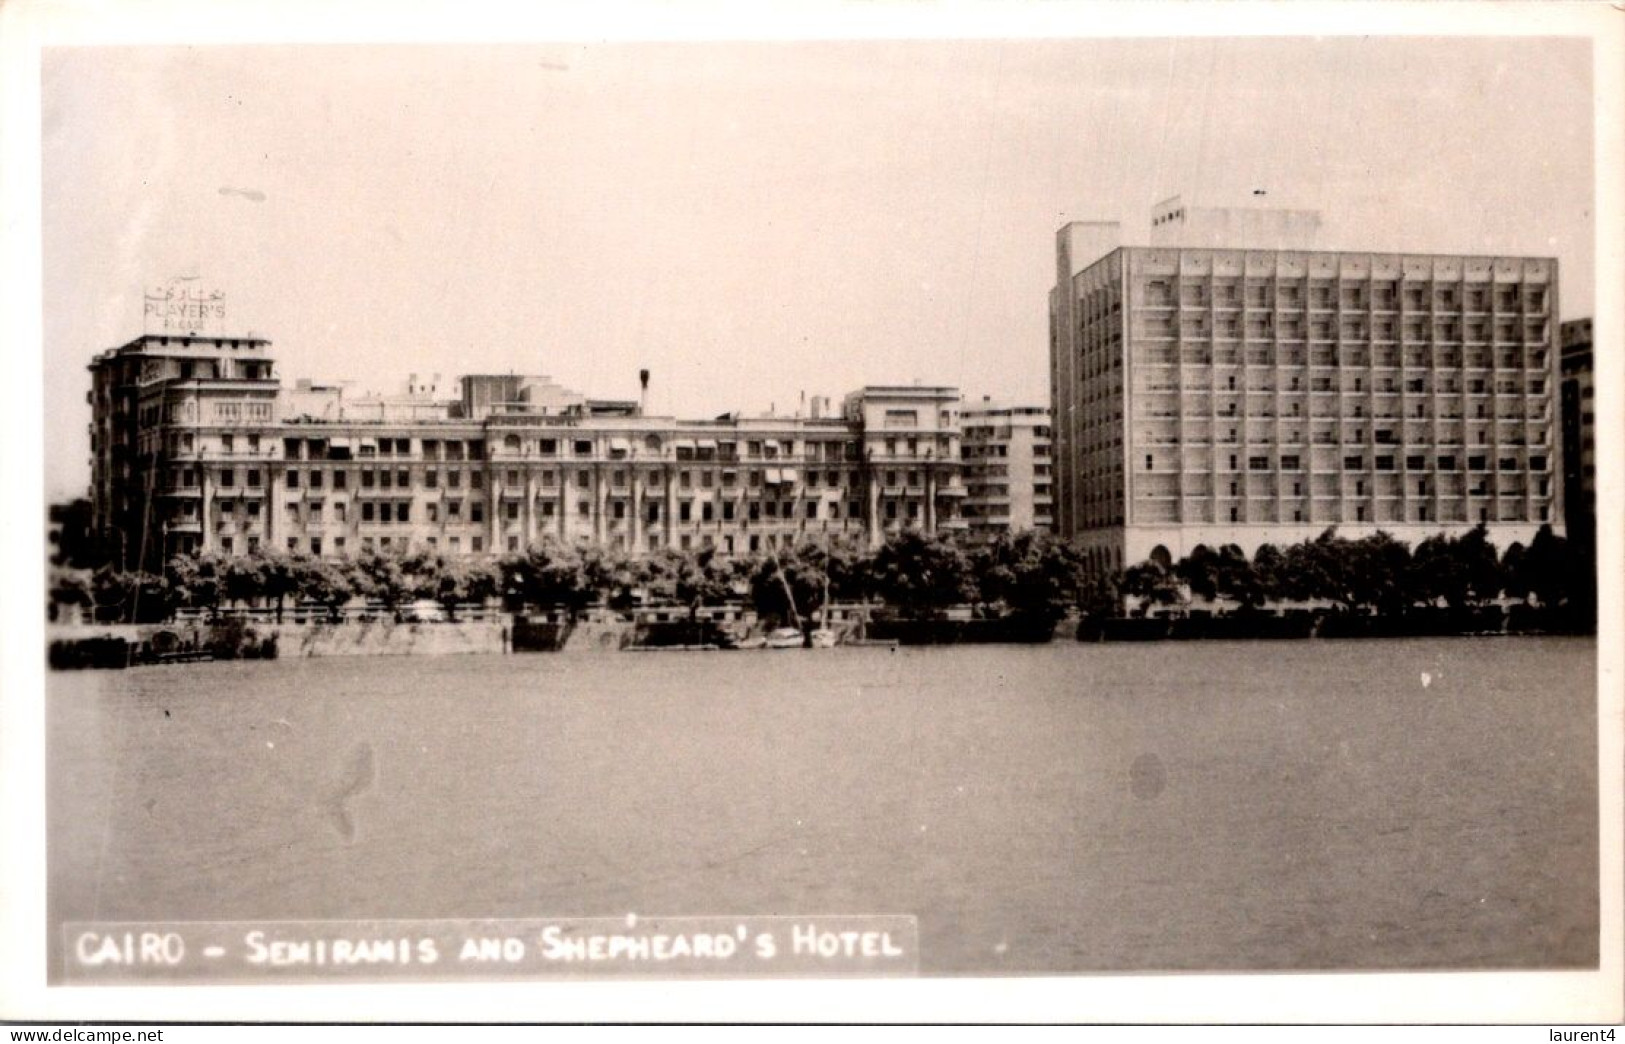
1229,385
197,446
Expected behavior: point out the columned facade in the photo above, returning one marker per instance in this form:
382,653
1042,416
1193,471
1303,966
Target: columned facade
197,440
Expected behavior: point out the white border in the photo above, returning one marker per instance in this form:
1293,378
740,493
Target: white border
28,25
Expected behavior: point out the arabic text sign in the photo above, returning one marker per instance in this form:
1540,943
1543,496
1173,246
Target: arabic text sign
181,308
539,948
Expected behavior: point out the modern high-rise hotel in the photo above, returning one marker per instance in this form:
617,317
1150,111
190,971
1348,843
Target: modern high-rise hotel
1258,391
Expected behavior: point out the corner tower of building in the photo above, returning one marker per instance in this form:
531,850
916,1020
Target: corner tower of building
152,402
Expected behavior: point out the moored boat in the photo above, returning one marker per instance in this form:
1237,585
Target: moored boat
785,638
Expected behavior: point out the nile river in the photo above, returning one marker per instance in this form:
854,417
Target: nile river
1293,805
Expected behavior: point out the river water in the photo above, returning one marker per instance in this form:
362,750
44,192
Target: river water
1063,808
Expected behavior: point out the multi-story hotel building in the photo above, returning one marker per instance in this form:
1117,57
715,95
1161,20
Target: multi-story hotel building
198,446
1579,412
1009,471
1246,396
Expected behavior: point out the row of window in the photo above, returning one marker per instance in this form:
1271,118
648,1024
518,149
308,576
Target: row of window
832,451
1263,383
1349,411
451,512
1292,328
317,545
1350,488
401,478
1040,489
1383,462
728,543
1509,512
1378,294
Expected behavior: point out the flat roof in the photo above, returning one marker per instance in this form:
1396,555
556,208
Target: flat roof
1363,255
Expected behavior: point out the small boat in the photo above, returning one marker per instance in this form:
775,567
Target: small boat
785,638
823,638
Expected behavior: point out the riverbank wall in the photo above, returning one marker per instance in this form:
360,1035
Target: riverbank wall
387,638
122,645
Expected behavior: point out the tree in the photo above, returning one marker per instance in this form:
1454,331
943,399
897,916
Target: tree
73,538
990,566
1153,584
1321,569
521,584
1515,576
382,576
1029,574
453,581
1545,569
1269,567
610,575
281,575
198,581
1460,570
1375,571
802,572
1199,571
921,575
549,574
690,580
481,582
1480,567
328,584
69,587
1238,579
1436,573
848,563
242,578
1100,596
129,597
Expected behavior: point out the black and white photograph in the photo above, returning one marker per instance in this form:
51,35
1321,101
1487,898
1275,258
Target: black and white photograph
930,507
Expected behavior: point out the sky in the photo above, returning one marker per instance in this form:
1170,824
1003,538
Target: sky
750,222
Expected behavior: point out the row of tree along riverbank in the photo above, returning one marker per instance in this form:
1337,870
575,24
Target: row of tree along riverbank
913,589
233,637
911,574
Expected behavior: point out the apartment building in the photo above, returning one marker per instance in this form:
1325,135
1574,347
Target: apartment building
1579,418
1214,396
1009,470
198,446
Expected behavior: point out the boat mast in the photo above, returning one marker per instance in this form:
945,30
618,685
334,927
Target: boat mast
823,607
788,594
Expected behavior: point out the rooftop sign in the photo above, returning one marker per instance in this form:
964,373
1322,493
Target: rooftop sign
183,307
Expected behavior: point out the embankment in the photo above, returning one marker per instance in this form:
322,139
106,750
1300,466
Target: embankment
387,638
